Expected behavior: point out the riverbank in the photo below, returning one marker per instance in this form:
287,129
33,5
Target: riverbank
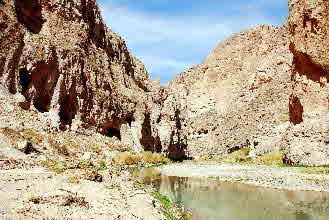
289,178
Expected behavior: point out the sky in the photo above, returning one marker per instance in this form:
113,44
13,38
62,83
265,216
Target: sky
169,36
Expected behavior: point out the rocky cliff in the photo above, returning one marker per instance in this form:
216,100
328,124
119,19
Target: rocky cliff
307,141
264,88
75,71
236,98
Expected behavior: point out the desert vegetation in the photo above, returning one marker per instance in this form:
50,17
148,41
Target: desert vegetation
242,156
169,209
129,158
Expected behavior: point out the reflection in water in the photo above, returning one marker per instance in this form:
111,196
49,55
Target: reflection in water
302,216
211,199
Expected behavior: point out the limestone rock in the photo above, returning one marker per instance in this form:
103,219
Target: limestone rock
237,95
309,43
64,60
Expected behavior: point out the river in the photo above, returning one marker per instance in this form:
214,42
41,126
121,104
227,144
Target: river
211,199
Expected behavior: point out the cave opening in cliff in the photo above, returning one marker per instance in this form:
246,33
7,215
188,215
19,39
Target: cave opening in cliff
113,132
25,79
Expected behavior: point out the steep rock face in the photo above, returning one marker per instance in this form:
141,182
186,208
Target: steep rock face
238,97
309,43
68,65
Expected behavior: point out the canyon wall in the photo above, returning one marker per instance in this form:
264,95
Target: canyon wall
264,88
307,140
237,98
73,69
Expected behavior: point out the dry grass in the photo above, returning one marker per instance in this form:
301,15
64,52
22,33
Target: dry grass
95,149
32,136
12,134
74,200
129,158
284,117
84,164
61,149
126,158
74,179
146,175
68,200
93,175
235,157
149,157
23,134
55,166
68,143
35,199
120,148
101,165
272,158
319,170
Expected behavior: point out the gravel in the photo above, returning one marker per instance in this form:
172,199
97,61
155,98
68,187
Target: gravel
289,178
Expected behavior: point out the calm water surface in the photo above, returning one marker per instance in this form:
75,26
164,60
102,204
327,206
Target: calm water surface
211,199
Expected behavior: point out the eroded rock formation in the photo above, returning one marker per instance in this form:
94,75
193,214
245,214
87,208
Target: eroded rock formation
64,60
236,98
265,88
309,43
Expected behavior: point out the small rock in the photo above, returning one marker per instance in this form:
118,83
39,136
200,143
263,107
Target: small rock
87,156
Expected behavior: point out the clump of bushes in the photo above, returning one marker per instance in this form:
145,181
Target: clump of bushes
57,167
236,157
61,149
35,199
12,134
149,157
74,200
31,135
126,158
169,209
272,158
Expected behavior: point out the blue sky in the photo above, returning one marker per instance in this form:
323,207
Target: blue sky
171,35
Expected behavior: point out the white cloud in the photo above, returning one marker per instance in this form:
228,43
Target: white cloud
166,43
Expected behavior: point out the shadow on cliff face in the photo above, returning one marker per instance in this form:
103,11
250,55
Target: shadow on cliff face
149,142
37,86
29,14
296,110
177,148
305,66
68,104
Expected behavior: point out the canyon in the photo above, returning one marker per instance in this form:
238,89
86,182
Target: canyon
262,88
69,88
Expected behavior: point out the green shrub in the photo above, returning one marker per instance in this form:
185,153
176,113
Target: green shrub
169,209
